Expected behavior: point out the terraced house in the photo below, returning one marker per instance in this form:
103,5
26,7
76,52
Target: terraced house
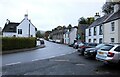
94,33
112,26
105,29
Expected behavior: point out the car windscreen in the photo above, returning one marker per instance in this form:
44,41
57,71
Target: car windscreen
81,44
106,47
99,46
92,45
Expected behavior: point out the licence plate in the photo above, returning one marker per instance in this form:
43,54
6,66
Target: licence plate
101,53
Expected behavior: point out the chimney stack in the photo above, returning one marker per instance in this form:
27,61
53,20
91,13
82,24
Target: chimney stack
7,21
97,16
26,16
116,7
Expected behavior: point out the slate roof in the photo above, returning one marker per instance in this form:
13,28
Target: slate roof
10,27
99,21
113,17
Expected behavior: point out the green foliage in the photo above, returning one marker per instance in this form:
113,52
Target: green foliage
82,20
11,43
69,27
38,34
88,20
47,33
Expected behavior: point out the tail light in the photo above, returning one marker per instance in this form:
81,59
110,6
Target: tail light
110,54
82,46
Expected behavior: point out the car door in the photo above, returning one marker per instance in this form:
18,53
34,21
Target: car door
117,50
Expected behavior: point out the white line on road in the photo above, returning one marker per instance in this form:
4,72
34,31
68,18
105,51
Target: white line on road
61,60
35,60
13,63
80,64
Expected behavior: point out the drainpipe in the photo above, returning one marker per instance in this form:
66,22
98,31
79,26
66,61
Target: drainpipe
29,30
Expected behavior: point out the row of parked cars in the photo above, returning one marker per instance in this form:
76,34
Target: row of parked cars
107,53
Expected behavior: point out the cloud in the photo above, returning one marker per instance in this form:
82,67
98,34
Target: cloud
48,14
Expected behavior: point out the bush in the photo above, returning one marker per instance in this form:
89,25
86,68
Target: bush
11,43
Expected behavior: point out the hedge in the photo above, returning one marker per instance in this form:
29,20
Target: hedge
12,43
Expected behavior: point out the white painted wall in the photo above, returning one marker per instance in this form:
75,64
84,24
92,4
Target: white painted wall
8,34
92,37
119,31
108,34
24,25
72,35
66,38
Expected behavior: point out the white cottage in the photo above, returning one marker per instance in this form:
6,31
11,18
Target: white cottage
70,36
23,29
94,33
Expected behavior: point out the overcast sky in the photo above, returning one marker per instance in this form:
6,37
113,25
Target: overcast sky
48,14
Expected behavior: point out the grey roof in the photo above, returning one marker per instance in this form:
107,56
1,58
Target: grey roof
99,21
10,27
113,16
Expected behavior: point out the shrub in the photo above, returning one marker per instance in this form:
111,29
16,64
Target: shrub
11,43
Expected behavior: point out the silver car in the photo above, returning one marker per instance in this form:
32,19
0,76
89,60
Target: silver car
109,53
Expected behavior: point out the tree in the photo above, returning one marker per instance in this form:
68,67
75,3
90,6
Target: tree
90,20
82,20
38,34
69,27
108,7
47,33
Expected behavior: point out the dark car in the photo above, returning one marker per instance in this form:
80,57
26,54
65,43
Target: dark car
91,52
42,42
82,48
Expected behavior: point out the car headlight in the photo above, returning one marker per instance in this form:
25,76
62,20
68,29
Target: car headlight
91,51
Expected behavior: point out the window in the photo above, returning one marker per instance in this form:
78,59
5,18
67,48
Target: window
113,26
106,47
89,32
89,40
100,30
112,40
117,49
19,31
94,30
100,40
94,40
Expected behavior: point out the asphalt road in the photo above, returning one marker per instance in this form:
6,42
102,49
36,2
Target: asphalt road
69,64
51,50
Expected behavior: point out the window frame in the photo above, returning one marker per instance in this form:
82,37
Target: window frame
117,49
101,30
19,31
112,40
89,32
95,31
112,26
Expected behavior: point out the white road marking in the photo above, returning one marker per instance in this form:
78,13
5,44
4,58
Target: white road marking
13,63
35,60
61,60
80,64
